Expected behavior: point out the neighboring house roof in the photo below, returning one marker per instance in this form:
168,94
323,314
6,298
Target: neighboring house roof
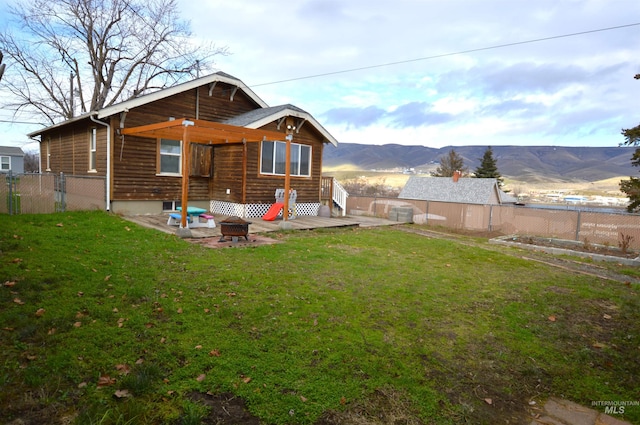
11,151
465,190
252,119
259,117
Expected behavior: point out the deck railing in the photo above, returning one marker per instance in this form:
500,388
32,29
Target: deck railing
331,190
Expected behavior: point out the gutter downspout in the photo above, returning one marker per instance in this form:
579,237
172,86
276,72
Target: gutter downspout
108,157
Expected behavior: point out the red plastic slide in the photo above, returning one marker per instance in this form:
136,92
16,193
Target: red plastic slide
273,212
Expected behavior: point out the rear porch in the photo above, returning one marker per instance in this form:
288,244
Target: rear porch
258,225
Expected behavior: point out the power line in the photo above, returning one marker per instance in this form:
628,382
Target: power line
443,55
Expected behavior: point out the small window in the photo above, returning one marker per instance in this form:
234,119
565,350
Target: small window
5,163
170,157
273,159
170,205
93,136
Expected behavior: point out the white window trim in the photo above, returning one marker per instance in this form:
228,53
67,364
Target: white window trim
1,162
160,154
295,173
93,149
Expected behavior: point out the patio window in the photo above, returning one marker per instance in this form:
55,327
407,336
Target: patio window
273,159
5,163
93,136
170,158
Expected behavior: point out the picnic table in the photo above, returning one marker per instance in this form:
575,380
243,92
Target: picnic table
195,214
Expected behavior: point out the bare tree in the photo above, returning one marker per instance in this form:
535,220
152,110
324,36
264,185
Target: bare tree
98,52
449,164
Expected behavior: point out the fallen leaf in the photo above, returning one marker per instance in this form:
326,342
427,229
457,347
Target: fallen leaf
115,309
198,347
106,278
59,225
17,260
206,310
77,324
179,311
201,377
599,345
80,293
552,318
140,361
40,312
231,294
9,283
6,328
18,301
122,393
488,401
606,316
123,369
163,340
82,385
303,399
127,228
343,400
214,353
51,331
246,379
105,380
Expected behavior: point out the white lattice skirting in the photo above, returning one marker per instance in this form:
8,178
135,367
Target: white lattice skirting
258,210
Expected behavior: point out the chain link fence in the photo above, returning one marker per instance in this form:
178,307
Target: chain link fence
48,193
608,228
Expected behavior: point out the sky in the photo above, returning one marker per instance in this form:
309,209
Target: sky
432,73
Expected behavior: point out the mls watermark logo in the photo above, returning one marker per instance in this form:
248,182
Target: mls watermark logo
615,407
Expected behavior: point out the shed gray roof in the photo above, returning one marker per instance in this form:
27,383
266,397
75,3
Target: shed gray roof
465,190
11,151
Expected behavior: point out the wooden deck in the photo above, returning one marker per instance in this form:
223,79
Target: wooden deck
258,225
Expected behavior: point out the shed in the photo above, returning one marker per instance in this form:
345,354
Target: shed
457,190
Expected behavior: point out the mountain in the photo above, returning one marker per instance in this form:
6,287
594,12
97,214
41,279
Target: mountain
523,163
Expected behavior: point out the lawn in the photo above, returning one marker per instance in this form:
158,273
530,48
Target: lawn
105,322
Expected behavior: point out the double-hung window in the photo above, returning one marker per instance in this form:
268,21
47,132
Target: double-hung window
170,161
273,159
5,163
93,138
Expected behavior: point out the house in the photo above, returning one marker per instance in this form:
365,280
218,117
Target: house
11,159
455,189
210,142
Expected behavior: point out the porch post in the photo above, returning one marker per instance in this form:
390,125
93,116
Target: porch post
287,178
185,172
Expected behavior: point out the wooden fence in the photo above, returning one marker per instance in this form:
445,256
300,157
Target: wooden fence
590,225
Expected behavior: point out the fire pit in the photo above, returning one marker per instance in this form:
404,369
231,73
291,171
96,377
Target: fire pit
234,227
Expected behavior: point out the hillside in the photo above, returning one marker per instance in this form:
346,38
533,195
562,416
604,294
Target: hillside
521,163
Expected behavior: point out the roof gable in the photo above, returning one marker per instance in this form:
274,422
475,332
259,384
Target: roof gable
180,88
260,117
444,189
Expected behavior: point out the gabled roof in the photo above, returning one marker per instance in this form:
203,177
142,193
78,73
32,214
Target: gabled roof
253,119
170,91
11,151
465,190
259,117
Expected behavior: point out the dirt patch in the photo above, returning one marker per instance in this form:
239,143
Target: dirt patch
225,409
574,246
252,242
384,406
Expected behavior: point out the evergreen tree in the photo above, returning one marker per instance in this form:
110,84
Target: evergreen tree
488,168
632,186
449,164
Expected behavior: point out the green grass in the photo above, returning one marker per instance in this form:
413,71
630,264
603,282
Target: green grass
317,325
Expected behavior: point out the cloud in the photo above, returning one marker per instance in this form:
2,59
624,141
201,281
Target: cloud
354,117
418,114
